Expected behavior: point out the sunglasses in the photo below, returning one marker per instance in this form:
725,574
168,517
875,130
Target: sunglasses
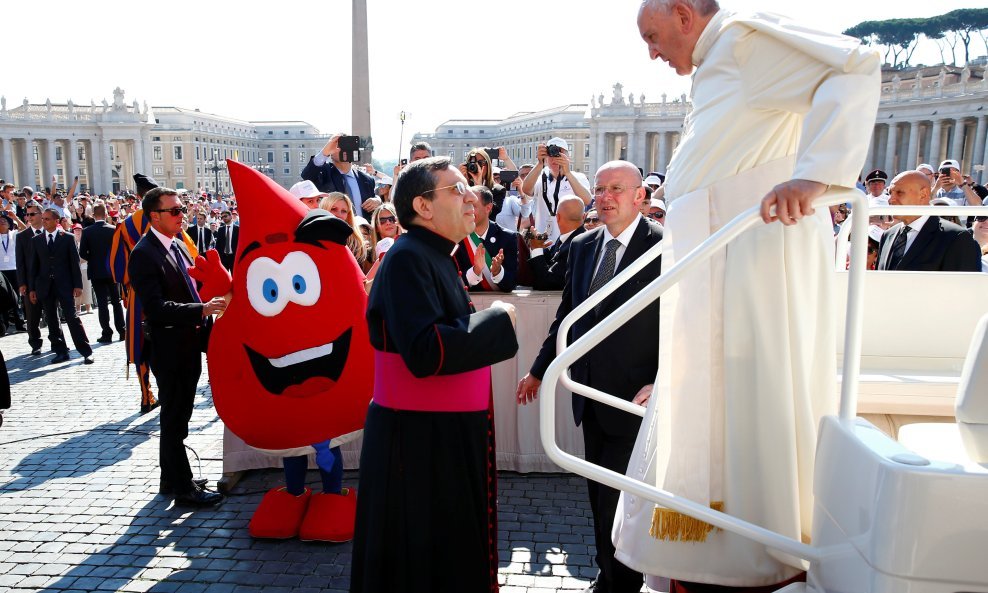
593,220
390,219
657,215
174,211
29,214
980,218
459,186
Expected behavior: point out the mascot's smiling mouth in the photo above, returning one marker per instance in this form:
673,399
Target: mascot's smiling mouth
288,373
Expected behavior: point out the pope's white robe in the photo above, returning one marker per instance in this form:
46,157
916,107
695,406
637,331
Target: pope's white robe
748,342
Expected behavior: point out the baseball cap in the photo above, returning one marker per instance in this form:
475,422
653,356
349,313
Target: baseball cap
305,189
557,141
926,166
657,203
950,163
875,233
653,180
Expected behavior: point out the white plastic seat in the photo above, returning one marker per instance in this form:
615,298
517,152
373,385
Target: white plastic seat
972,397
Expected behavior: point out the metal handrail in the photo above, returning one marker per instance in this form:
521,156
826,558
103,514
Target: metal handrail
568,355
842,235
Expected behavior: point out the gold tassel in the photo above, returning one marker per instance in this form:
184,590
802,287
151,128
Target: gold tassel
670,525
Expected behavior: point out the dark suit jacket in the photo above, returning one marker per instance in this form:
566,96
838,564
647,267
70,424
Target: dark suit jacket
24,254
329,179
626,360
207,238
173,316
549,269
497,238
56,270
940,246
94,247
222,236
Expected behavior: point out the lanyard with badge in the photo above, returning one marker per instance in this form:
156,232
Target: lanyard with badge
555,194
6,246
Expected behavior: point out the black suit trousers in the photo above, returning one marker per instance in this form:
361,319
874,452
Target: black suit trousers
612,451
177,375
66,302
107,295
32,317
13,316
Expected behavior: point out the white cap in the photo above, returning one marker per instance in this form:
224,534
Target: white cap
557,141
653,180
657,203
360,221
305,189
385,180
942,201
383,245
950,163
926,166
875,233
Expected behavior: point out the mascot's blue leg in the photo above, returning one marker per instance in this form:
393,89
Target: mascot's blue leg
295,474
332,480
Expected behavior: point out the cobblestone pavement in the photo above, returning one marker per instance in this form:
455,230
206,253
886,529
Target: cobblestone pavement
79,508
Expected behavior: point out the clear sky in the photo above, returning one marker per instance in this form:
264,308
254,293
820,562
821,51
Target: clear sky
434,59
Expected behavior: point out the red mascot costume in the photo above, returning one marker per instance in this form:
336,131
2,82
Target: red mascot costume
290,363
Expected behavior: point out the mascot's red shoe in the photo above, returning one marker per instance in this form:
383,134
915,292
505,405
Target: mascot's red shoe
279,516
330,517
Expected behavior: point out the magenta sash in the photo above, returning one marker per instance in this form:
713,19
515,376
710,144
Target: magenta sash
397,388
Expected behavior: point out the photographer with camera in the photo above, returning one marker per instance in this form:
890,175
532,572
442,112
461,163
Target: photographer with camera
332,169
954,186
545,186
479,170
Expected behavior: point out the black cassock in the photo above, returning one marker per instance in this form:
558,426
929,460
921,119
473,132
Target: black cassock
426,503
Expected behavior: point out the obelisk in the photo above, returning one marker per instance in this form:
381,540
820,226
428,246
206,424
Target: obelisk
361,79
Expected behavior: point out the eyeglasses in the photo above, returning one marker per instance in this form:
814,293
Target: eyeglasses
594,220
600,190
390,219
459,186
28,214
174,211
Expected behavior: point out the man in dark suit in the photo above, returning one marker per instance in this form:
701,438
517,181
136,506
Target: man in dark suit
330,174
54,282
548,264
24,253
94,247
227,237
924,243
175,318
201,234
488,257
624,364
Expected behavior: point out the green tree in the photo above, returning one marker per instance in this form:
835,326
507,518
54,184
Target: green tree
965,22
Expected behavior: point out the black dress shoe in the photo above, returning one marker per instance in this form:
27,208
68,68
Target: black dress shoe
197,497
596,587
88,359
36,352
59,358
105,340
166,488
145,408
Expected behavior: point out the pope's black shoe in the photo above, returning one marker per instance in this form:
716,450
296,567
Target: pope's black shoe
165,488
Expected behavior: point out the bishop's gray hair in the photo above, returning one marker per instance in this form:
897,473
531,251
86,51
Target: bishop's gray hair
704,7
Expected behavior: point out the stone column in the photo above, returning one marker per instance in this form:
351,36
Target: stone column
663,152
600,157
90,165
936,137
870,157
47,155
105,165
978,153
7,162
890,149
144,159
30,163
912,152
71,160
957,143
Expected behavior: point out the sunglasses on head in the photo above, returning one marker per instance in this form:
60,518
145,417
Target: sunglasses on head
174,211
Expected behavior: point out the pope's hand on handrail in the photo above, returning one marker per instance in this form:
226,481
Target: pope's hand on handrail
792,201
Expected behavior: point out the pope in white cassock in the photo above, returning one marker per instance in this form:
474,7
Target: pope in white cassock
747,351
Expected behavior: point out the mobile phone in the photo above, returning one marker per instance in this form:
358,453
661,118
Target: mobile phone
404,162
349,148
493,154
642,171
508,177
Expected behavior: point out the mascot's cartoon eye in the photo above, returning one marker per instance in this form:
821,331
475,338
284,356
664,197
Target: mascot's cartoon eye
270,289
305,283
266,287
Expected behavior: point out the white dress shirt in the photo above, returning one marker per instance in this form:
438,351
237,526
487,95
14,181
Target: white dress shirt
624,239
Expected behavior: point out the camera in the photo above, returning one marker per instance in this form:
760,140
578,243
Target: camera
472,166
493,154
508,177
531,234
553,151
